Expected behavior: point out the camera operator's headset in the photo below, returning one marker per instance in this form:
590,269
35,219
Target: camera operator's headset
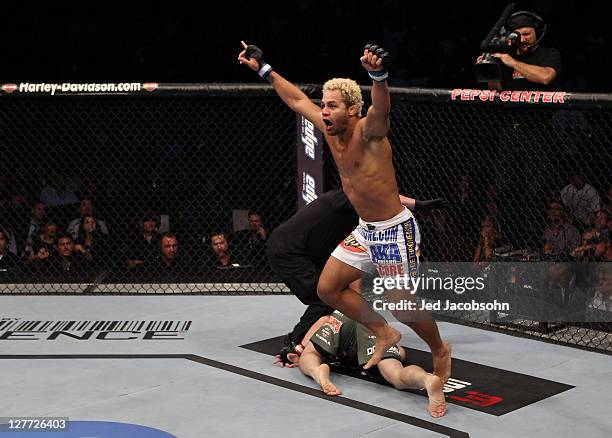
540,24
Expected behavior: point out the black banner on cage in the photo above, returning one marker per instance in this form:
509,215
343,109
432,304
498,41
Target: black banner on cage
309,162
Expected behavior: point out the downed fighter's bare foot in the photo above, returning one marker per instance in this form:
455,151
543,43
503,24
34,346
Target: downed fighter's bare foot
437,401
390,338
442,362
322,378
329,388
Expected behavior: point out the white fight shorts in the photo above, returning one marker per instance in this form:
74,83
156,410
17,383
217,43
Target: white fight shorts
389,248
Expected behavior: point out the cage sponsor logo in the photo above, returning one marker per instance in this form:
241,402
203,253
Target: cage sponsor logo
68,87
519,96
150,86
9,88
309,139
309,188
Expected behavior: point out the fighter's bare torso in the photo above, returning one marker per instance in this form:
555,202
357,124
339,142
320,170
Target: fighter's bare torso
366,170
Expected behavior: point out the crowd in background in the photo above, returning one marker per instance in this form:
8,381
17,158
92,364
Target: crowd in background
62,233
574,222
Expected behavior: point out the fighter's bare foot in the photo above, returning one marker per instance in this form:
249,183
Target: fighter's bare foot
437,401
390,338
442,362
329,388
321,376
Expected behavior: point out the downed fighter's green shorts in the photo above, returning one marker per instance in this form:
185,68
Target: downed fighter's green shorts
346,339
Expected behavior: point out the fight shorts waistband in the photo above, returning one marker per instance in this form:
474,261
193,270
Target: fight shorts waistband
399,218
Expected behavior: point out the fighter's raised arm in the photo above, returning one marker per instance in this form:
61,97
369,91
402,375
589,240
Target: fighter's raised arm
375,60
363,156
295,99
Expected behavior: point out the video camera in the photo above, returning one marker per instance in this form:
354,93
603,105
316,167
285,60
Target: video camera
503,39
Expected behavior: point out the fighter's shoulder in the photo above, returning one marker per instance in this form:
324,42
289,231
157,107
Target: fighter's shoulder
365,137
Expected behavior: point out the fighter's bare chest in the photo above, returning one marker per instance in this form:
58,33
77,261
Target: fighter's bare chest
349,159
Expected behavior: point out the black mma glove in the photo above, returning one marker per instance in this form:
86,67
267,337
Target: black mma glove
385,56
283,355
430,204
255,52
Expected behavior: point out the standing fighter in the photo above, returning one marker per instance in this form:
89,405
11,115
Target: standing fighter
299,248
387,235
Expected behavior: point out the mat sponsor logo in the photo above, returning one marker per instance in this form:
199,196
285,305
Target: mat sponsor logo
309,188
478,399
16,329
309,139
455,384
470,397
9,88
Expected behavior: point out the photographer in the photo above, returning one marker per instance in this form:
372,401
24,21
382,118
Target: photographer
532,66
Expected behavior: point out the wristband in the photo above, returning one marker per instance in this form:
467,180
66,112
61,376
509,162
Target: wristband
379,76
265,70
299,349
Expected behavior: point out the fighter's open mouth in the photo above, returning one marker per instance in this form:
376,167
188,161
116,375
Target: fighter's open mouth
327,122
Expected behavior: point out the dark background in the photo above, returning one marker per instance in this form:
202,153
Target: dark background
434,43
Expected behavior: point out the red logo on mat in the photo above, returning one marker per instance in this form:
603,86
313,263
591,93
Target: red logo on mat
150,86
478,399
9,88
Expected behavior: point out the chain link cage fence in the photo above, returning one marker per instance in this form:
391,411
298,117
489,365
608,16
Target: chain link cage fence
528,187
526,178
118,172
